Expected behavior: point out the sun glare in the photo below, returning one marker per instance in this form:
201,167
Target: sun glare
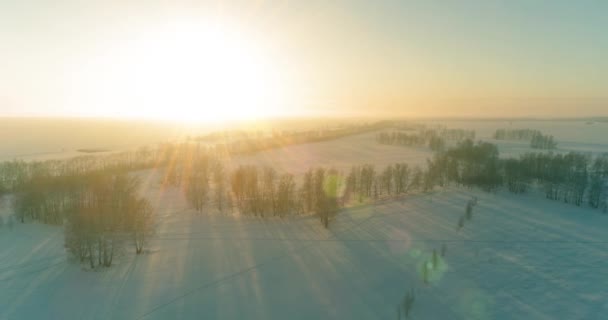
189,72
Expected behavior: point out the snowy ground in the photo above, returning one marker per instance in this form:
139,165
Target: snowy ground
520,257
340,154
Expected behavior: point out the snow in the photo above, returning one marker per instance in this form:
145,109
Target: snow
340,154
520,257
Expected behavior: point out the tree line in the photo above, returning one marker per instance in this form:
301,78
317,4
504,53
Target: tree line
515,134
263,192
537,139
17,173
434,139
572,178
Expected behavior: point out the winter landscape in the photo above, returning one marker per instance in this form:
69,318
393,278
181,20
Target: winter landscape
278,159
510,255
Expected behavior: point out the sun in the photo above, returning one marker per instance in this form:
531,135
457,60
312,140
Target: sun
194,72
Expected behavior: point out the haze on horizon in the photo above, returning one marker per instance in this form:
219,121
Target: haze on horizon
220,60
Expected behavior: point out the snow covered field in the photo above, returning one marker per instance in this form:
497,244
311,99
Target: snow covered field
340,154
520,257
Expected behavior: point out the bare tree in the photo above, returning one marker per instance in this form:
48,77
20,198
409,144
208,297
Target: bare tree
219,182
101,217
140,223
197,190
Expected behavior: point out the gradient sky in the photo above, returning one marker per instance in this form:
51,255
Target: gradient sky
410,58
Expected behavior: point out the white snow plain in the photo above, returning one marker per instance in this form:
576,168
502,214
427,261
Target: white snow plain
519,257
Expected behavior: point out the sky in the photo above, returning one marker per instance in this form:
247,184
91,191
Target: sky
224,59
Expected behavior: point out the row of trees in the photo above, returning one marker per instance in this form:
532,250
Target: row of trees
573,178
425,138
457,134
263,192
402,138
435,139
515,134
537,139
17,173
541,141
395,179
252,190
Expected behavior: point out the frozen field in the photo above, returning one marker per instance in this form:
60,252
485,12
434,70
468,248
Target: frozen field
340,154
519,257
509,262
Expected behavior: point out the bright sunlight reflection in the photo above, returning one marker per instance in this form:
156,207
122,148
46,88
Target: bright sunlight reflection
188,72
